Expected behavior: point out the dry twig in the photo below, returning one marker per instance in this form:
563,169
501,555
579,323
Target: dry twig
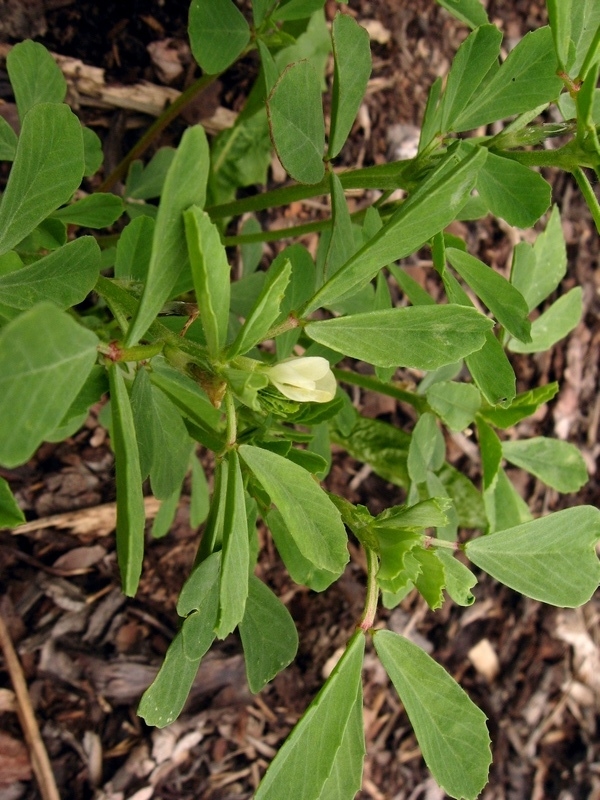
37,750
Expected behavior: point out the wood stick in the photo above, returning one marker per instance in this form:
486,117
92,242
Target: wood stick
37,750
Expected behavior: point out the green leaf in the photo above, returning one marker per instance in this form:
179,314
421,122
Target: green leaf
192,402
352,69
395,548
185,185
45,358
558,464
200,600
164,442
199,502
537,271
432,207
35,76
427,448
431,579
240,156
265,311
345,777
410,287
427,514
49,235
269,636
459,578
471,12
526,79
472,62
559,17
503,300
297,9
422,337
554,324
299,289
490,447
65,277
492,372
513,191
233,589
341,237
218,33
309,515
321,737
165,515
93,154
8,141
164,699
552,559
48,168
145,182
467,501
10,513
302,571
524,405
97,210
585,19
95,385
296,119
381,445
504,505
134,250
210,271
196,588
131,515
449,727
455,403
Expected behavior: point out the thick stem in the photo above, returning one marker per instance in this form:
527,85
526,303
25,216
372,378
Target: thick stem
368,616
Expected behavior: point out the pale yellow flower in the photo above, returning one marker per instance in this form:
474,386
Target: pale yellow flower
306,380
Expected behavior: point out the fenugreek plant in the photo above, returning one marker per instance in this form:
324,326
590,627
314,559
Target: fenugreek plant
247,369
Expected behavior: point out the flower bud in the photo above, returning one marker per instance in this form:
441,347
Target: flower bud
306,380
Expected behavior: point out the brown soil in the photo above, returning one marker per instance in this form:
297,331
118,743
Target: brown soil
88,653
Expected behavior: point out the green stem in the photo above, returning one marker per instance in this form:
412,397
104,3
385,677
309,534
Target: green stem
287,325
396,175
141,352
375,385
159,124
231,419
301,230
566,158
590,197
368,616
590,56
431,541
